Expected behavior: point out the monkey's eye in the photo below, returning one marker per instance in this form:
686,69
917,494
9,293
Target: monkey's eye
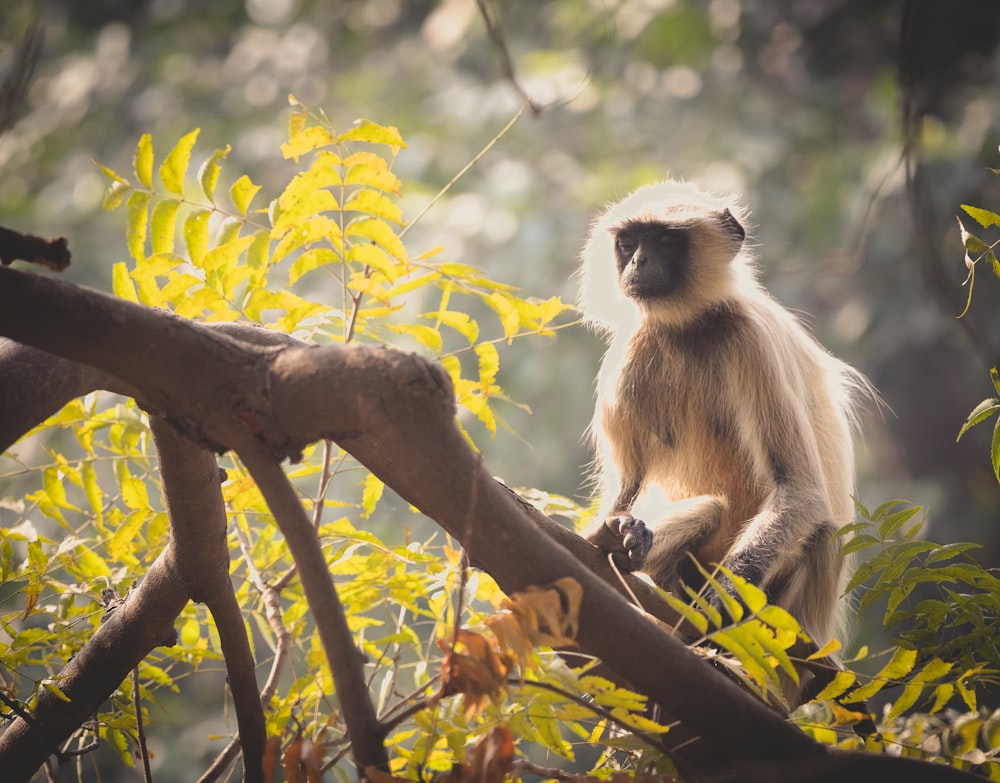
626,246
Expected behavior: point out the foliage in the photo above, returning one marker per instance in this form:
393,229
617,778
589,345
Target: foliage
976,251
323,259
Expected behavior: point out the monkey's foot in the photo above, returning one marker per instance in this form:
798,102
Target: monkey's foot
636,541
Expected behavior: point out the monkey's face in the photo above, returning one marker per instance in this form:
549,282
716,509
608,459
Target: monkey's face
652,260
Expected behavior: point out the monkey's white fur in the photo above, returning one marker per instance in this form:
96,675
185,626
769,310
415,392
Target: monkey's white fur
721,395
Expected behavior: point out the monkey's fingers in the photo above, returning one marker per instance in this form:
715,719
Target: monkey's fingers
637,540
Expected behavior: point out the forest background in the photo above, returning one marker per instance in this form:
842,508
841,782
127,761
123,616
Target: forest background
806,108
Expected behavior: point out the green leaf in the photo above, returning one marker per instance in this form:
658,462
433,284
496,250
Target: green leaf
143,162
208,174
242,192
984,217
175,166
995,449
55,690
980,413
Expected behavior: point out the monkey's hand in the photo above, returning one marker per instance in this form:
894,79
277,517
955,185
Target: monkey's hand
626,539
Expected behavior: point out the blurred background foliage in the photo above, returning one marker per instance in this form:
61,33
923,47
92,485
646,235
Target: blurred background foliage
804,106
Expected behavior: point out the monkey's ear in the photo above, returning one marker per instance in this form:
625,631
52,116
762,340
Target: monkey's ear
731,224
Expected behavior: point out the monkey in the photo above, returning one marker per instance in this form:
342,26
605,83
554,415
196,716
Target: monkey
716,394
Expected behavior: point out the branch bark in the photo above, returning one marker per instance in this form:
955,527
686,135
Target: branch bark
395,413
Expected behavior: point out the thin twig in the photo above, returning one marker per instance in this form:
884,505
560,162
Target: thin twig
440,194
140,731
492,21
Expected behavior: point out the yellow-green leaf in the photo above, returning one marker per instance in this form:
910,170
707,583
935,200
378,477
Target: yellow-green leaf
371,202
372,133
222,255
138,223
196,234
175,165
425,335
134,493
242,192
190,632
371,255
143,161
371,494
163,226
459,321
310,260
510,319
842,680
371,171
306,140
378,231
208,174
489,363
827,649
121,283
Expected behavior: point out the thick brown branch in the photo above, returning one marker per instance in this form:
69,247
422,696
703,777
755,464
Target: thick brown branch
14,246
190,478
395,413
346,661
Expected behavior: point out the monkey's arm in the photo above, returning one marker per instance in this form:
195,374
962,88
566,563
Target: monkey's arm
620,534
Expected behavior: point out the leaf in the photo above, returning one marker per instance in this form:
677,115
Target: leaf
305,141
826,650
552,613
143,161
842,680
242,192
489,363
163,226
138,222
373,203
371,494
472,667
196,234
372,133
980,413
121,283
425,335
208,174
995,450
371,171
117,189
900,665
310,260
379,232
175,165
984,217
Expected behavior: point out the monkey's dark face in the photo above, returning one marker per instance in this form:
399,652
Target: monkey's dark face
652,259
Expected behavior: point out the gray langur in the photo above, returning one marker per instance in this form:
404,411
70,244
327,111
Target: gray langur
715,393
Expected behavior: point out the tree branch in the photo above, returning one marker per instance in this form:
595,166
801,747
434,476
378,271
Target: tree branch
191,488
395,413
